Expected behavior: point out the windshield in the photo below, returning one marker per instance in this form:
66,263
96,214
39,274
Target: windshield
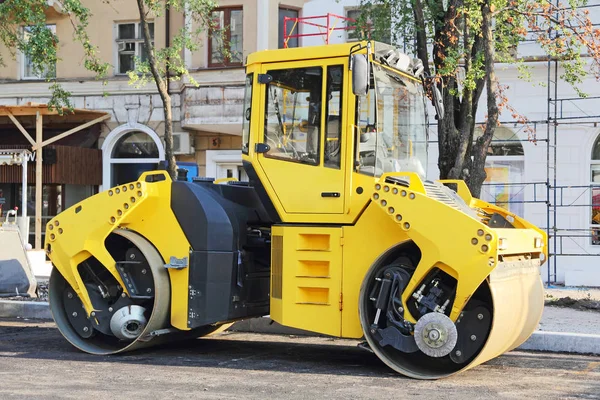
393,125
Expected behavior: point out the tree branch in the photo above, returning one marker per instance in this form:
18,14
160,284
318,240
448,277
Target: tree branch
421,35
482,144
162,86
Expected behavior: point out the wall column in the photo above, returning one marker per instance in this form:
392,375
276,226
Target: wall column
262,15
38,181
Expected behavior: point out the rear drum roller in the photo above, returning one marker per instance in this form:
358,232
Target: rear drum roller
434,347
120,322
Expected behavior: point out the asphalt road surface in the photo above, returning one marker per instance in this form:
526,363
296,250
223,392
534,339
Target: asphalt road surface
36,362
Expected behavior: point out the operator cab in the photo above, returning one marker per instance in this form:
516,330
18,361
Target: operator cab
321,122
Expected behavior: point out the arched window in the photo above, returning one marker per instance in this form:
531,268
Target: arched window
135,144
127,152
504,168
595,193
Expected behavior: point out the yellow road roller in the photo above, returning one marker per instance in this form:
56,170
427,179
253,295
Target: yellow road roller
336,231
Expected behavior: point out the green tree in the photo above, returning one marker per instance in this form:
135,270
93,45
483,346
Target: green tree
162,65
166,64
41,43
474,35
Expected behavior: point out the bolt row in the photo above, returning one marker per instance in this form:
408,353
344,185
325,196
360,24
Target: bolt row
391,210
132,199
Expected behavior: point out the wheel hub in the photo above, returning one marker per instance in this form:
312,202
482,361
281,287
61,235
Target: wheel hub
435,334
128,322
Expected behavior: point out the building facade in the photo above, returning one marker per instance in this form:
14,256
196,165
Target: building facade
549,180
207,119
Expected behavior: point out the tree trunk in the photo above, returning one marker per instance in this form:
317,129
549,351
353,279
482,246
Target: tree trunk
480,149
162,86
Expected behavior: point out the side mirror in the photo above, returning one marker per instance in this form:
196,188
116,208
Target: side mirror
360,75
438,101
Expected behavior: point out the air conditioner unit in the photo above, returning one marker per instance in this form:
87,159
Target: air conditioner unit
182,143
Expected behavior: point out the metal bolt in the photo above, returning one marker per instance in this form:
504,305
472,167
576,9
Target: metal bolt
74,313
123,294
93,314
480,316
85,329
70,295
144,271
132,256
110,309
372,330
400,309
473,337
148,290
434,334
458,353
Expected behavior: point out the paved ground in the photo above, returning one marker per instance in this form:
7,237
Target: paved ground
561,319
36,362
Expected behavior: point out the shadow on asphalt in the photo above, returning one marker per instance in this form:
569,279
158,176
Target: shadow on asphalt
34,342
48,344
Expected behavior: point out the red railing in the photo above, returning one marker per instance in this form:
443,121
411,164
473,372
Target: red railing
326,24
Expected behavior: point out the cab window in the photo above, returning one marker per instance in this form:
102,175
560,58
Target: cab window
293,114
247,114
333,136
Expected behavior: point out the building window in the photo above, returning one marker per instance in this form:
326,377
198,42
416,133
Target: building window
381,33
127,151
134,153
291,28
230,21
130,44
27,70
595,193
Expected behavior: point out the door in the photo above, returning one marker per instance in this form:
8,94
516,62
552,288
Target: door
302,130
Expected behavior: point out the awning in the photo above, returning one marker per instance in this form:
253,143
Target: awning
35,117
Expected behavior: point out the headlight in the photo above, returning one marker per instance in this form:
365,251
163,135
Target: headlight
537,242
502,243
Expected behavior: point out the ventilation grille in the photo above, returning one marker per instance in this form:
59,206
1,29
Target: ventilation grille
438,193
276,266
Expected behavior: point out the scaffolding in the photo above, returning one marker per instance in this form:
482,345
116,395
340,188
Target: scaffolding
549,192
556,196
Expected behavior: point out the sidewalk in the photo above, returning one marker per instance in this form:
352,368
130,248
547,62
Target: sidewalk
562,329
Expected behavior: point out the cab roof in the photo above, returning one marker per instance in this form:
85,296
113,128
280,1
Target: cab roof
312,52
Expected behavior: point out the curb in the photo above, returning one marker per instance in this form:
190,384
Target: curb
559,342
25,309
563,342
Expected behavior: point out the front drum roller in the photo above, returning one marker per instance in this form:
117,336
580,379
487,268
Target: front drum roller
129,323
503,312
132,326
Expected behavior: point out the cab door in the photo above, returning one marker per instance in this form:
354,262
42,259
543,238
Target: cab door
301,153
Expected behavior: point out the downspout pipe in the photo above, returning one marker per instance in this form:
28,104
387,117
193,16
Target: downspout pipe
168,42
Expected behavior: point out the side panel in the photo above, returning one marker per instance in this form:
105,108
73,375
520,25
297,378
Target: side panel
225,282
364,243
306,277
79,233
